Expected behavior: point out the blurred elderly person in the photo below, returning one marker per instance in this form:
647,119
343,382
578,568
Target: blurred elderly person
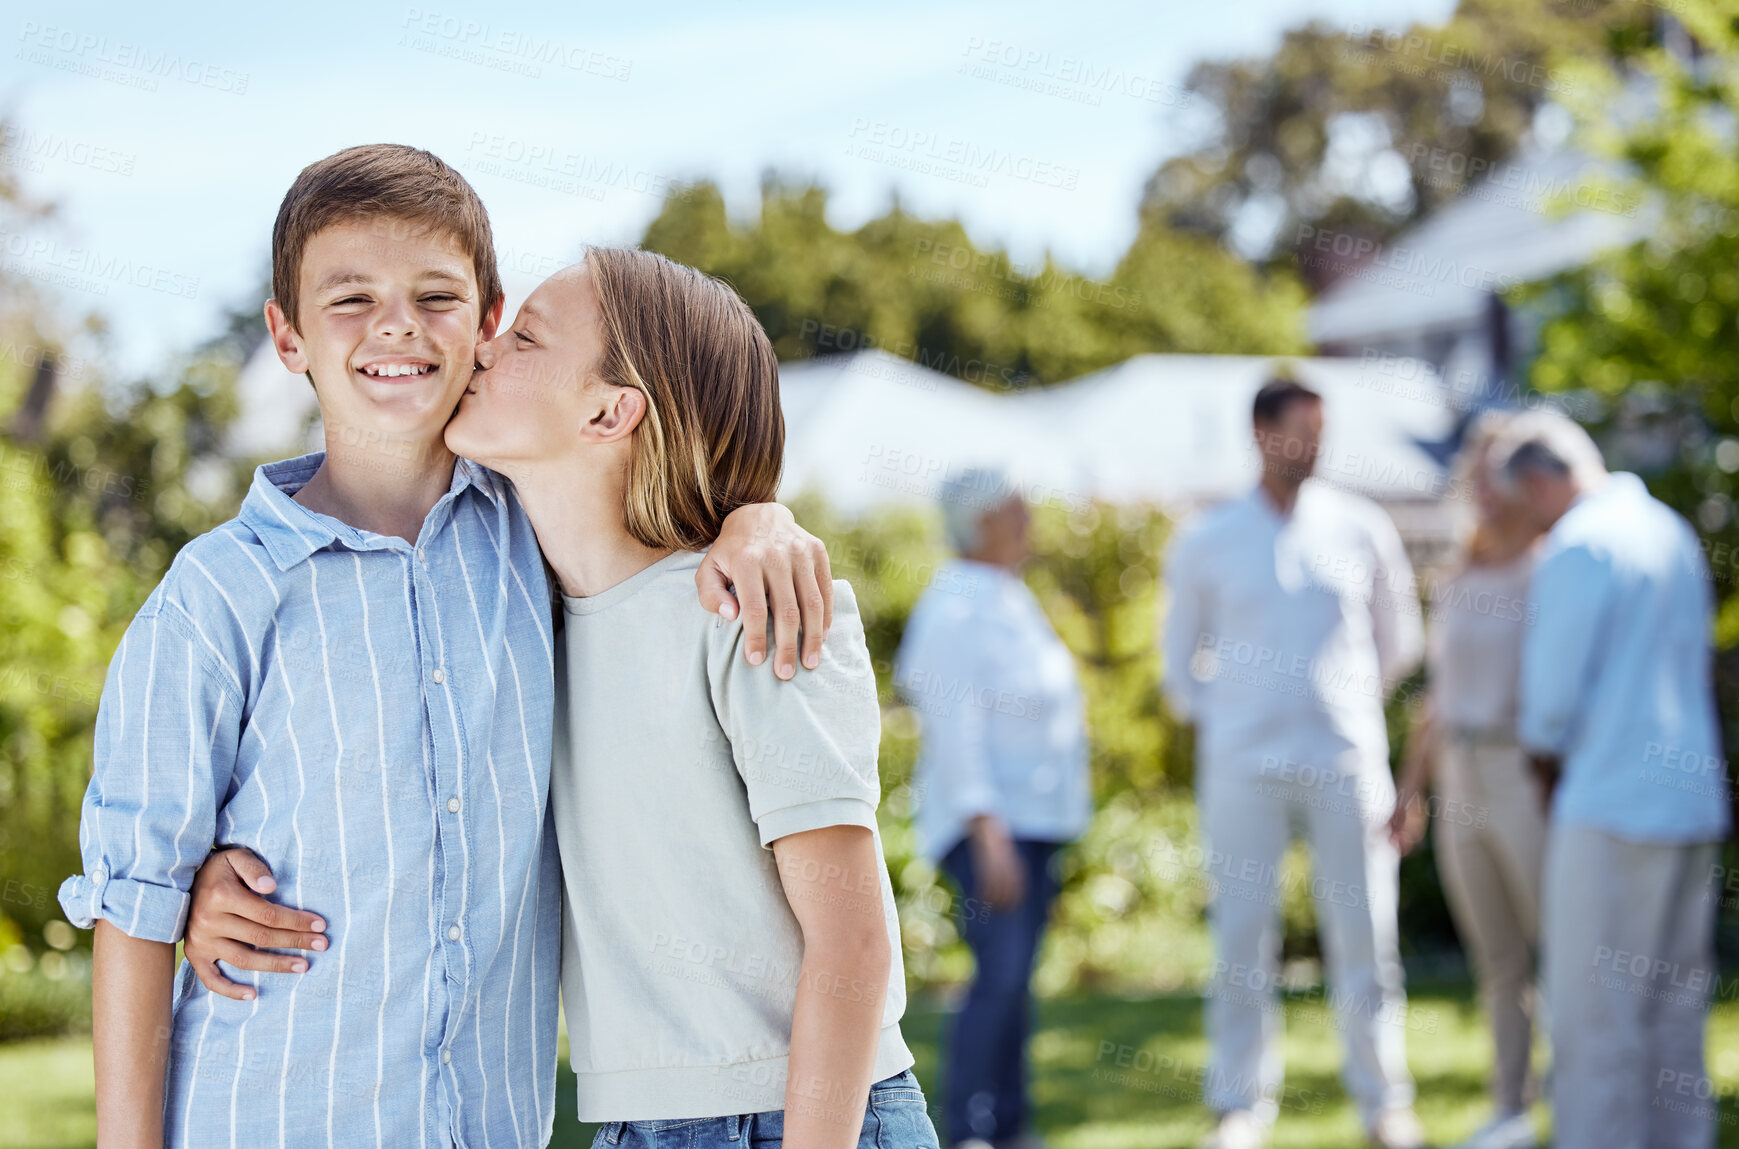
1489,832
1617,715
1292,615
1001,785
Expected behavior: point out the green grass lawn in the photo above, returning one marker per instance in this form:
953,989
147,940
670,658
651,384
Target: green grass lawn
1085,1099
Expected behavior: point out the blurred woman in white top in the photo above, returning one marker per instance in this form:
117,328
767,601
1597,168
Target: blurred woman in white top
1001,782
1490,832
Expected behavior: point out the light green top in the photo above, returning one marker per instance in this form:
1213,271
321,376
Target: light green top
676,765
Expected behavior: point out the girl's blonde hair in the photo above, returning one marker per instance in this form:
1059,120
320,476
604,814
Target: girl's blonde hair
713,437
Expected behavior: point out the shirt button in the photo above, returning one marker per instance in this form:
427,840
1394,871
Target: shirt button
453,933
99,876
439,676
446,1057
423,556
452,805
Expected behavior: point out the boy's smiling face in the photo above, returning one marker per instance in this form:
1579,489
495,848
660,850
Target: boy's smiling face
389,313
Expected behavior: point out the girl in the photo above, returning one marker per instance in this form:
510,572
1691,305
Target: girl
730,957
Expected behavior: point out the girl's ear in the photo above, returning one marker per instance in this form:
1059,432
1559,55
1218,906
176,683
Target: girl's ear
619,411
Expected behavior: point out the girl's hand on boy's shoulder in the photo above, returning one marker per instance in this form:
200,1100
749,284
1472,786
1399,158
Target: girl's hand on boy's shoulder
770,562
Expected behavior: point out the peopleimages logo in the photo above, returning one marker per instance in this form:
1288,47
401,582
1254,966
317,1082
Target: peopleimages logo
90,268
963,155
31,150
476,41
1363,252
88,53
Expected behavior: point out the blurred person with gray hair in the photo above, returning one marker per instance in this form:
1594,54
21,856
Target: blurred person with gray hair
1617,713
1292,616
1001,784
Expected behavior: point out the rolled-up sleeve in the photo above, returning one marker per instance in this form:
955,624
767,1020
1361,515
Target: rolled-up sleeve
167,730
1568,598
805,749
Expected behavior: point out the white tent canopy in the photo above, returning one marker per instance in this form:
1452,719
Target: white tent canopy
869,428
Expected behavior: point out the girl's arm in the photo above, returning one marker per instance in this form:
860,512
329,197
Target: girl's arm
130,997
832,878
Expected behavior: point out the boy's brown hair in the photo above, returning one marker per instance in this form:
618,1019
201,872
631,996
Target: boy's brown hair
388,182
713,436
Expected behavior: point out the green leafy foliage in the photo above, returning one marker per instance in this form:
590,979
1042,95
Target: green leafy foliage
922,290
1364,130
94,503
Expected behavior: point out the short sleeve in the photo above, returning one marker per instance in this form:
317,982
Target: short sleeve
168,725
805,749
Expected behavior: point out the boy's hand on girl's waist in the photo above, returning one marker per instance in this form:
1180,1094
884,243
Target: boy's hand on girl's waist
229,920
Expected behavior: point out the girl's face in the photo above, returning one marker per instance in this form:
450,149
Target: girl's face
536,387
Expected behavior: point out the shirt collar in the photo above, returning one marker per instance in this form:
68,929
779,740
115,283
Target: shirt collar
1264,503
1620,483
291,532
984,574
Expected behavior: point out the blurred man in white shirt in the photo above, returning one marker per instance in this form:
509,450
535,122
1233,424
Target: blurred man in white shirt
1617,714
1001,785
1292,616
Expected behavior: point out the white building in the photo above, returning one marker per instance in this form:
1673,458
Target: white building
1434,292
870,429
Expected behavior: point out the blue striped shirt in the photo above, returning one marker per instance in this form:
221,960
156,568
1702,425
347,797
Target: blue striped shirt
372,718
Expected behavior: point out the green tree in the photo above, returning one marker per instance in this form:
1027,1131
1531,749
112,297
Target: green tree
96,496
1647,331
923,290
1364,131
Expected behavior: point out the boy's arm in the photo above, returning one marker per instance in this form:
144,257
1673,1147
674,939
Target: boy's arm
770,562
164,750
832,879
130,995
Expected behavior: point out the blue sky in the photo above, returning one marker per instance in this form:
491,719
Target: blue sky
168,141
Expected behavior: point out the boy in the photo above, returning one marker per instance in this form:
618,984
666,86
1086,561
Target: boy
353,679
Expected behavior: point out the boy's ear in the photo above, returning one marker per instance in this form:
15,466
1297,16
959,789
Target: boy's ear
492,320
286,341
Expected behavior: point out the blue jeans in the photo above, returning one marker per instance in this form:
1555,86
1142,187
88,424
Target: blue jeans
894,1118
984,1089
